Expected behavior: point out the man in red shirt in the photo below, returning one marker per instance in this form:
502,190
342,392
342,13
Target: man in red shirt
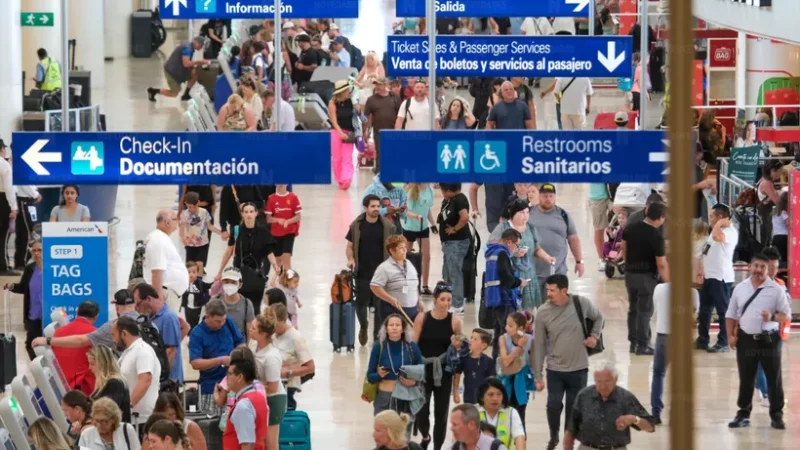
283,212
74,361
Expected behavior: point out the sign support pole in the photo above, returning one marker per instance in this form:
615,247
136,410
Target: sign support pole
681,159
65,65
277,63
645,57
430,20
592,16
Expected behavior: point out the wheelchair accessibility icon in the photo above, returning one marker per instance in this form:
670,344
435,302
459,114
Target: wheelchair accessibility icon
490,157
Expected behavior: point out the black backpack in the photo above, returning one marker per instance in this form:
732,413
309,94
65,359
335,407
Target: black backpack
150,335
496,444
356,58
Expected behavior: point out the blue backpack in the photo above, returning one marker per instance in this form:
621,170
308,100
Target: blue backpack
356,58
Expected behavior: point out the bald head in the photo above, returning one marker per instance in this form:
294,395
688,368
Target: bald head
167,221
507,91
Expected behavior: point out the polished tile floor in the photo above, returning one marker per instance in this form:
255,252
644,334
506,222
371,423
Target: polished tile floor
339,418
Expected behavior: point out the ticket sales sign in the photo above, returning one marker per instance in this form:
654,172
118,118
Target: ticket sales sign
504,56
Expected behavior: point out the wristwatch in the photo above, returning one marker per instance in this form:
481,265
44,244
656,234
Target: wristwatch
638,419
48,341
580,261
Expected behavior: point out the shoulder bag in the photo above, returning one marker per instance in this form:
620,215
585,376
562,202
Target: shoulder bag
587,325
369,391
561,93
253,280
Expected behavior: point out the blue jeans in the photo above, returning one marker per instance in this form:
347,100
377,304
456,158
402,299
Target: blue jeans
659,371
761,377
452,272
715,294
559,385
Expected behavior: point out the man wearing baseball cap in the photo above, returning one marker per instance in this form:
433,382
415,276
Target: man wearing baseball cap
290,33
307,62
557,231
340,57
180,68
239,308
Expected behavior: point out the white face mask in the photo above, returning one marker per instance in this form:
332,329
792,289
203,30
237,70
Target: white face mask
230,289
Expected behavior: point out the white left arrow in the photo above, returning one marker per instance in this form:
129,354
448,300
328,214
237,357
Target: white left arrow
611,60
34,157
176,6
580,5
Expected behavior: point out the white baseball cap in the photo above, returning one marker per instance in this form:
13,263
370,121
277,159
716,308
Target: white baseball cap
287,25
232,273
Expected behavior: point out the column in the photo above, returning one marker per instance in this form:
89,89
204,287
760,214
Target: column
741,70
117,30
34,38
11,75
86,27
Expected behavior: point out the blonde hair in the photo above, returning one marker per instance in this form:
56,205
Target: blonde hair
236,102
280,312
287,276
107,367
413,190
395,425
45,435
265,322
104,406
699,230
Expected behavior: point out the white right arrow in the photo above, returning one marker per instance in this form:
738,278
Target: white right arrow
609,60
34,158
176,6
44,19
580,5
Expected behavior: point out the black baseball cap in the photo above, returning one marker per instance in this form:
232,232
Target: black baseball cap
123,297
547,188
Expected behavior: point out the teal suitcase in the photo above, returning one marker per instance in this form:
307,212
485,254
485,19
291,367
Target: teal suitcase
295,431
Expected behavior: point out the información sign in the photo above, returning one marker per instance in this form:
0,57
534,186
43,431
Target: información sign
257,9
298,157
506,56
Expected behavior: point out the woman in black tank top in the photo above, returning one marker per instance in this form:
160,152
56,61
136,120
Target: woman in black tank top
433,332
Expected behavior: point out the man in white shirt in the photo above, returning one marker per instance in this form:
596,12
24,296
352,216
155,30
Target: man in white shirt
163,266
139,366
661,302
415,112
8,208
287,118
537,26
757,308
576,99
716,276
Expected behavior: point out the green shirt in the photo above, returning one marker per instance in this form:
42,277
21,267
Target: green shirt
597,191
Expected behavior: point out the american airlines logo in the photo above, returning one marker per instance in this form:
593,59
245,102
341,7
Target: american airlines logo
80,230
723,54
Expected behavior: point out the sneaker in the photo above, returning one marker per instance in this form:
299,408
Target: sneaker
645,351
719,349
601,266
633,348
656,419
362,336
457,311
552,445
700,345
426,291
765,401
151,94
739,422
778,424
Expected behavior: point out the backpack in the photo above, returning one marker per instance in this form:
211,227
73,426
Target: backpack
356,58
342,287
407,114
150,335
564,216
496,444
137,267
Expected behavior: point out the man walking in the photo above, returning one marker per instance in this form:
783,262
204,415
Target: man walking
645,261
716,276
163,266
560,340
381,111
512,113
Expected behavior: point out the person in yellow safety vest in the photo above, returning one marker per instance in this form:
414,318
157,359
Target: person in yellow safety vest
48,72
494,410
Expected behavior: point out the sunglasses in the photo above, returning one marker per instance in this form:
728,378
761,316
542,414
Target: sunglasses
442,287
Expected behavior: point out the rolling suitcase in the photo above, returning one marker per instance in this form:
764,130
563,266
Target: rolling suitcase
470,267
295,431
343,326
415,257
8,348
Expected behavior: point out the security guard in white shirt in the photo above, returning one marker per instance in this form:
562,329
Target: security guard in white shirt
8,208
757,308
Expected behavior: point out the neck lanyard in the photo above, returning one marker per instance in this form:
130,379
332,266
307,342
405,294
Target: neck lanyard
403,270
391,363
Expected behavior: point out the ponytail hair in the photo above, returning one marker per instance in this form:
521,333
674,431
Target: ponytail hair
174,430
77,399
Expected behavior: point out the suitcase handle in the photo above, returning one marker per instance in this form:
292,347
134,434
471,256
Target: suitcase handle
7,310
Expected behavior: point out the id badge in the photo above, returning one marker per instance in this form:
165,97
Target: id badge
405,289
32,213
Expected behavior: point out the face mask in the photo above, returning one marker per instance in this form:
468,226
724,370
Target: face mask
230,289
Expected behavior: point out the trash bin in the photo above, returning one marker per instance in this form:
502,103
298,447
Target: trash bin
141,34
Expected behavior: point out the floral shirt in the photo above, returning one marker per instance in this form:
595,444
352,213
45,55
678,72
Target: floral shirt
196,227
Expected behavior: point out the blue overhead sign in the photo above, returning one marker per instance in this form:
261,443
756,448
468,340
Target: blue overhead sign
496,8
75,262
298,157
523,156
507,56
257,9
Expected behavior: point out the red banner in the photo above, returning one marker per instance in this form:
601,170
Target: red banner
794,234
722,53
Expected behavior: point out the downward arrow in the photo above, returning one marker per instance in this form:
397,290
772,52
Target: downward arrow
34,158
176,6
580,5
609,60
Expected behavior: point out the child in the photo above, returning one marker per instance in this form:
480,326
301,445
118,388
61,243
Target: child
196,296
458,349
700,233
514,361
476,366
195,222
611,248
283,212
287,282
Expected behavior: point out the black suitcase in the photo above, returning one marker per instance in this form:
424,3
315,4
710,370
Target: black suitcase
8,348
470,267
323,88
415,257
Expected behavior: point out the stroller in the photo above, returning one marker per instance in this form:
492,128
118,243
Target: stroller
612,256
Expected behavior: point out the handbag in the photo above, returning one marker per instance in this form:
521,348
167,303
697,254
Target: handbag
350,139
252,279
587,325
369,391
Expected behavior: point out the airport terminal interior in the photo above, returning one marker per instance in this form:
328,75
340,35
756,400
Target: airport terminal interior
339,417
